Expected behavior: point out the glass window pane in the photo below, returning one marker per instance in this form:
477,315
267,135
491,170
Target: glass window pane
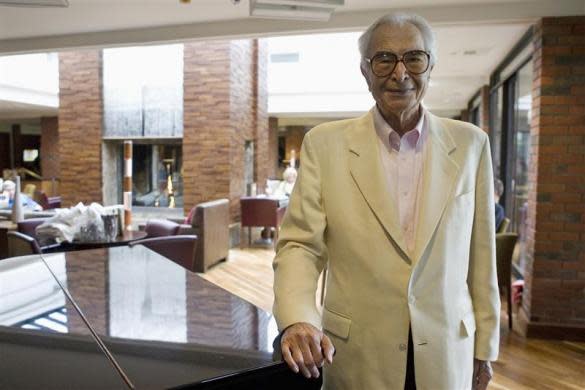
522,141
496,130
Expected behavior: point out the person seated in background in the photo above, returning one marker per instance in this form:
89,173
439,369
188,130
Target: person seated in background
285,187
282,191
500,212
9,188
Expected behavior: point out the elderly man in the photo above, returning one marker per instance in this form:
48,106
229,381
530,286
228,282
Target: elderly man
398,204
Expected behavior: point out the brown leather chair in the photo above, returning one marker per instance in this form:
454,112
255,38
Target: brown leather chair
28,226
503,228
179,249
505,244
161,228
210,223
21,245
261,212
49,202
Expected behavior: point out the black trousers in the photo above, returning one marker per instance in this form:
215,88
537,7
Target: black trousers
410,383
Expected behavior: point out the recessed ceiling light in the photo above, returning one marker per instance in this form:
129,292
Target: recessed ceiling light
294,9
35,3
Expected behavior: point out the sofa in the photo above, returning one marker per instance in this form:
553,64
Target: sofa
209,221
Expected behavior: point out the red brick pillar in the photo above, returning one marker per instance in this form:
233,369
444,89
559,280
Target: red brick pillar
554,294
260,106
485,108
80,126
50,148
272,147
206,122
225,105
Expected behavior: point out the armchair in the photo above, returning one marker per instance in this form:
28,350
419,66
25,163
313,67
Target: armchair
209,221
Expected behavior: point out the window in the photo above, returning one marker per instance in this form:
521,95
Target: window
157,178
511,103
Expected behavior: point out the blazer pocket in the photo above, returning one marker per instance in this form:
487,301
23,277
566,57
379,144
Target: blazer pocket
336,323
468,325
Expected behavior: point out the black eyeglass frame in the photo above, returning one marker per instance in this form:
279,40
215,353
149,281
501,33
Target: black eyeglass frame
398,59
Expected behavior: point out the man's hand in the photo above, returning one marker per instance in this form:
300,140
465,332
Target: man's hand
306,348
482,374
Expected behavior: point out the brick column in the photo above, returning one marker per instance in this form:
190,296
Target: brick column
554,294
484,108
80,126
206,122
225,105
50,148
272,147
262,138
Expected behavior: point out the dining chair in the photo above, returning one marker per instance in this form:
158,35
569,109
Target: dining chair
503,228
161,228
261,212
505,244
48,202
20,244
180,249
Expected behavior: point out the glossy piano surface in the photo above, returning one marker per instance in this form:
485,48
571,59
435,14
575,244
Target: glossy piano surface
165,326
44,342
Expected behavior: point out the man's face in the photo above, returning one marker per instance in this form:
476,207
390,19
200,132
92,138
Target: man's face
400,91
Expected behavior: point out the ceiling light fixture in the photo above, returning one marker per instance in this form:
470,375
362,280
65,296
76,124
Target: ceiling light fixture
35,3
319,10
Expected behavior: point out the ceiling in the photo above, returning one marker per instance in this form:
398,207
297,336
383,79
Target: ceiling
487,27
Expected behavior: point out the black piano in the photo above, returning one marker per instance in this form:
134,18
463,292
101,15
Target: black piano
125,317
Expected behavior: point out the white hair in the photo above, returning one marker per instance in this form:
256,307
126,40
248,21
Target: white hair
9,185
400,19
289,172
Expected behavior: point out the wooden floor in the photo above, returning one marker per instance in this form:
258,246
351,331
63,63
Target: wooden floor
523,363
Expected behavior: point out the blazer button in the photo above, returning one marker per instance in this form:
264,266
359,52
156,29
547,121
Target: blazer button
402,347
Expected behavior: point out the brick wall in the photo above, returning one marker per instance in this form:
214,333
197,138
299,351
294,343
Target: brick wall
206,121
80,126
50,147
554,296
225,105
484,108
272,147
263,162
242,117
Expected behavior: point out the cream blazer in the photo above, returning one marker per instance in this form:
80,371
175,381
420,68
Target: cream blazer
340,214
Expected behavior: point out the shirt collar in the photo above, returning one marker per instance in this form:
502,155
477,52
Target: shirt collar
386,132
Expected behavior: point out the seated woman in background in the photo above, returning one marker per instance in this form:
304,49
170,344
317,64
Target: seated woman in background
8,190
285,187
500,213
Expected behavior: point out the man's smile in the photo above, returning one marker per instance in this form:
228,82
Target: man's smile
400,91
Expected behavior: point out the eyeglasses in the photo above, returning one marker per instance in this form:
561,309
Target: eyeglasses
383,63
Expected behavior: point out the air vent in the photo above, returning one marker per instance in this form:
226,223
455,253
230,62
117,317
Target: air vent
284,57
294,9
34,3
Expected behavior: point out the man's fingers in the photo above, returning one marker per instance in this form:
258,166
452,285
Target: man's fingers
308,358
315,346
300,361
328,348
289,359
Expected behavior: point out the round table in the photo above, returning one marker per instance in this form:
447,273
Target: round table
123,239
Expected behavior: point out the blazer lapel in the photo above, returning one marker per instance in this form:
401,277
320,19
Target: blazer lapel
367,172
439,174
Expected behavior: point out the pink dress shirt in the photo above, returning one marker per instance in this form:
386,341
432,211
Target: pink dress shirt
403,162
